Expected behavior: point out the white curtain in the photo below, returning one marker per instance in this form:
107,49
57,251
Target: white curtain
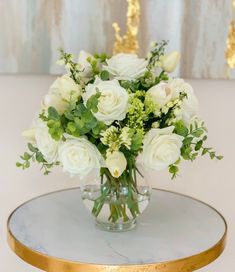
32,30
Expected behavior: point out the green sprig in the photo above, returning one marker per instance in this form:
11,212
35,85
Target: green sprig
35,156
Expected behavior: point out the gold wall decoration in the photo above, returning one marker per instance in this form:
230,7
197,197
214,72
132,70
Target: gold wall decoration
230,51
128,43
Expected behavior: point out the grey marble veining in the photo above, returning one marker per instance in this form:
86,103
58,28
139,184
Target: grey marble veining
172,227
33,30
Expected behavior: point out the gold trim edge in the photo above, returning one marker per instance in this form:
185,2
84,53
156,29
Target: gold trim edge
53,264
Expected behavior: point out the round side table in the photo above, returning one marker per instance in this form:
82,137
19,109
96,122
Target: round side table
55,233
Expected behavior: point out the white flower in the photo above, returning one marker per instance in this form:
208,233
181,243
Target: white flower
86,70
45,143
116,163
160,94
161,148
79,156
61,92
125,137
29,135
189,108
126,66
170,61
113,102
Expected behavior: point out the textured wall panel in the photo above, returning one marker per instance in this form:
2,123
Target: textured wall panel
32,30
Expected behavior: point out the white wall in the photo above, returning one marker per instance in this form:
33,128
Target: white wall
210,181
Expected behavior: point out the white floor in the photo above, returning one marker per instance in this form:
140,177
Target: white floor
210,181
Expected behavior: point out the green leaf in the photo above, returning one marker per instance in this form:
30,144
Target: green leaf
219,157
32,148
104,75
91,124
92,102
27,164
79,122
26,156
173,169
39,157
212,155
204,151
69,115
80,109
197,133
18,164
71,126
96,130
198,145
137,140
53,114
188,140
181,129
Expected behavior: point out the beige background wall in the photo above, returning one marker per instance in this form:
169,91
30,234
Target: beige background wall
210,181
32,30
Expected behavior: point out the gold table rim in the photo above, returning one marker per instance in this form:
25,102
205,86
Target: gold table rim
54,264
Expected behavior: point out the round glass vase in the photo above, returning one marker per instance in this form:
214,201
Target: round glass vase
116,202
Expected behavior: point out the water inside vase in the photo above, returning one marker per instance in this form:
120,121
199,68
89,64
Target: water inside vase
91,193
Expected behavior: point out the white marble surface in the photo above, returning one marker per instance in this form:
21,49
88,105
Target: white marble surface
173,227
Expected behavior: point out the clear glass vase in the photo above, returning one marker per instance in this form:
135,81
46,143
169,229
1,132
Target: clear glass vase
116,202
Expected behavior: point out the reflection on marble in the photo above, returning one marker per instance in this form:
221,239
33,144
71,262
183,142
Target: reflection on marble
32,31
172,227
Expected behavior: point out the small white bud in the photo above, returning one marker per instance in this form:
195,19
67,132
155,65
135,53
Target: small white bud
170,61
116,163
29,135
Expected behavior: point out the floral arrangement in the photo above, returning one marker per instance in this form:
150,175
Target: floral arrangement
106,113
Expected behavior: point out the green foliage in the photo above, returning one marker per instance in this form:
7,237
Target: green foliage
136,115
101,57
73,67
137,140
166,115
35,156
94,62
104,75
79,119
181,129
162,77
54,124
131,86
173,169
155,54
92,102
194,139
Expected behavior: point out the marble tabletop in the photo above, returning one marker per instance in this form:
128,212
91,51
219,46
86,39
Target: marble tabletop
173,227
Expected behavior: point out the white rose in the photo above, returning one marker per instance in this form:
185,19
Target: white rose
189,108
61,92
113,102
126,66
45,143
160,94
170,61
161,148
79,156
116,163
86,72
